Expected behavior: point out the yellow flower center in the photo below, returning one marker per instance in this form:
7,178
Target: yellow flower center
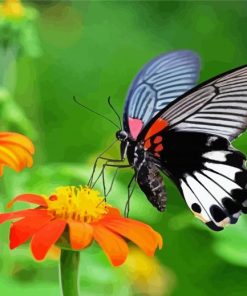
12,8
77,203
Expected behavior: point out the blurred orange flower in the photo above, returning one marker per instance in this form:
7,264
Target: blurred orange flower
82,215
15,151
11,9
147,275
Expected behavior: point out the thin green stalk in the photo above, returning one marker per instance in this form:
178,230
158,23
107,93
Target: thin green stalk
69,265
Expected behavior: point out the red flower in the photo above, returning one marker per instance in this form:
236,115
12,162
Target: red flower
15,151
88,218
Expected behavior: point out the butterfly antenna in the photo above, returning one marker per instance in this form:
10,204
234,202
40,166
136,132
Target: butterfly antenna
115,111
91,110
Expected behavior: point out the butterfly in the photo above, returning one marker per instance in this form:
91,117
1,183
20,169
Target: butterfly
185,131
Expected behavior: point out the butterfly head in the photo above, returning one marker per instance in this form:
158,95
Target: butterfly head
122,136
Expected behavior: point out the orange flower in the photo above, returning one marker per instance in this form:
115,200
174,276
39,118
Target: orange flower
15,151
84,216
12,9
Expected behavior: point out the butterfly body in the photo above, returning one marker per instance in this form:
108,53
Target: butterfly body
186,133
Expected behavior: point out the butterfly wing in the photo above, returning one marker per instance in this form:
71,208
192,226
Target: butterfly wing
218,106
210,174
158,83
191,139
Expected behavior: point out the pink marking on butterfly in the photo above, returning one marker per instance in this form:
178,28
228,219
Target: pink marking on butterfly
135,126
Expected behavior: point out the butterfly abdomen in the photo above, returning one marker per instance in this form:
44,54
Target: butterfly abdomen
151,183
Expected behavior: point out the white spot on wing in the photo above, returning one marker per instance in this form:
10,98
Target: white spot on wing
190,198
205,196
225,183
237,215
216,155
224,222
200,192
211,186
244,203
223,169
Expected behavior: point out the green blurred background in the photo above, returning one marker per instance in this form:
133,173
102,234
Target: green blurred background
92,50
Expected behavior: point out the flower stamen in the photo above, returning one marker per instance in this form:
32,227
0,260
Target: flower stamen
77,203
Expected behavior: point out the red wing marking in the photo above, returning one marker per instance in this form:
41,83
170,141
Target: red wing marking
157,139
135,126
158,148
147,144
156,154
156,127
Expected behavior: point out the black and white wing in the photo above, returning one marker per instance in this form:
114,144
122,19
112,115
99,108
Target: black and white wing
218,106
196,149
159,82
210,174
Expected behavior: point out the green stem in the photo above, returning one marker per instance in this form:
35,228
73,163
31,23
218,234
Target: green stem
69,265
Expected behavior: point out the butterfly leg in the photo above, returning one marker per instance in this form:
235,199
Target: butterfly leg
112,182
130,192
106,193
108,163
100,157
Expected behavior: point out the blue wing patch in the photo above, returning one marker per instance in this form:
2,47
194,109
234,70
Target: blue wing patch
160,82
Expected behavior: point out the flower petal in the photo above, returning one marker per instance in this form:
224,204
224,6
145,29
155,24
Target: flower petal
17,139
15,151
23,230
113,245
46,237
141,234
24,157
32,198
18,214
7,157
113,212
81,234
